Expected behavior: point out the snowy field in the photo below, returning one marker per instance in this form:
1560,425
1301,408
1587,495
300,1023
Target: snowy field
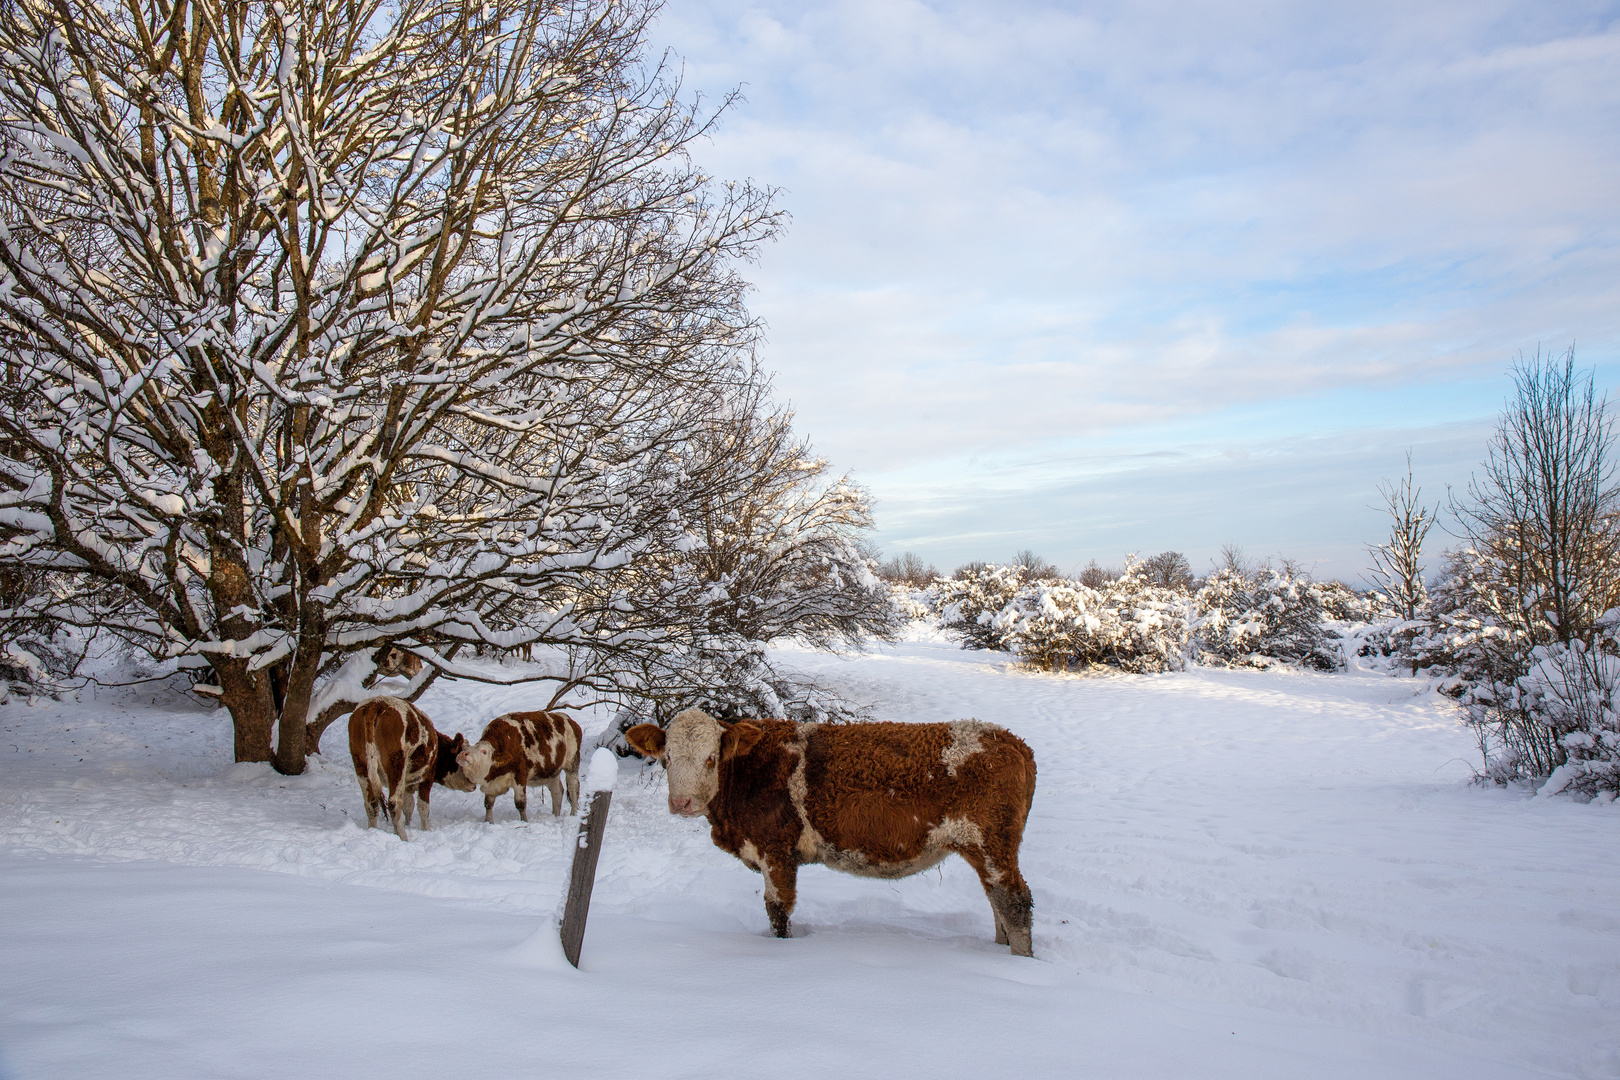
1236,874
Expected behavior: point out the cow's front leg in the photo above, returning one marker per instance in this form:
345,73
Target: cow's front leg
520,795
489,808
781,872
555,786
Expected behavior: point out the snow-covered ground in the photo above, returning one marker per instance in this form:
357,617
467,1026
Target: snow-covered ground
1236,874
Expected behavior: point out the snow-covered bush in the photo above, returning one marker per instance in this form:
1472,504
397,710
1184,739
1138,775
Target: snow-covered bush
1572,692
1127,623
1341,603
37,653
1051,623
912,603
1539,707
970,599
1154,622
1253,621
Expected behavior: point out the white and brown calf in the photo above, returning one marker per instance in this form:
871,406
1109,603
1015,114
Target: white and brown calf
519,750
392,741
878,800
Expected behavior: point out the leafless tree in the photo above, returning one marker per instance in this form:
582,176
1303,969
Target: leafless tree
1542,564
1094,576
1397,569
1545,511
1035,568
1168,570
908,568
1233,560
355,323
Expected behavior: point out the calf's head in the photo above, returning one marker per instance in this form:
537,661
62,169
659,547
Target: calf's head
447,770
475,761
391,660
693,750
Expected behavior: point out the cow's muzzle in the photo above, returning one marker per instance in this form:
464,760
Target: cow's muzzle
685,806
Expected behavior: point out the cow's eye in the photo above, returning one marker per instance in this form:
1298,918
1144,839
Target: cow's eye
710,763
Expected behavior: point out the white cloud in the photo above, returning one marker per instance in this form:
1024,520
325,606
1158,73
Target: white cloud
1018,224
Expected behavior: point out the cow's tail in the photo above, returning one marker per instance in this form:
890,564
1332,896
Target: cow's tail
1029,759
374,778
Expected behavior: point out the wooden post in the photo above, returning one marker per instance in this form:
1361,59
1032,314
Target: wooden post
587,847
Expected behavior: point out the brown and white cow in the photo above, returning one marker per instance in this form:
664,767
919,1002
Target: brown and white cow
879,800
392,740
522,749
393,661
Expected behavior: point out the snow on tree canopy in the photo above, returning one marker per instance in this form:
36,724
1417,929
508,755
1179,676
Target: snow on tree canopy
387,331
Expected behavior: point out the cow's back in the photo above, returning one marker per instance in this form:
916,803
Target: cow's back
399,734
887,799
550,742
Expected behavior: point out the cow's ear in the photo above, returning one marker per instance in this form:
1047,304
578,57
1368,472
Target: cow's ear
459,743
646,740
740,738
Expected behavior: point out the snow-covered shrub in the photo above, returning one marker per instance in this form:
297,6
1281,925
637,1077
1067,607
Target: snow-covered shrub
37,653
1252,621
969,601
1052,623
1128,623
1154,622
1341,603
912,603
1570,692
1539,707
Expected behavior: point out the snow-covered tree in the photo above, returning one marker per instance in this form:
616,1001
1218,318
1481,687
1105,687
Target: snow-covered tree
775,552
1397,566
1527,605
334,324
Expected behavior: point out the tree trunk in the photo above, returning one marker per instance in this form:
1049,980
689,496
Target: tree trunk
292,731
253,714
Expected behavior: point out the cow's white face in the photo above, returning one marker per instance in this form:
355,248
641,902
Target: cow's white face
692,749
475,761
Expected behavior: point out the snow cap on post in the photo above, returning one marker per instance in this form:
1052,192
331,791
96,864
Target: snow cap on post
604,770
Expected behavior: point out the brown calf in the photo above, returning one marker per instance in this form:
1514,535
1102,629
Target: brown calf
393,740
520,749
879,800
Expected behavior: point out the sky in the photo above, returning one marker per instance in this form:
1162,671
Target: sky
1090,279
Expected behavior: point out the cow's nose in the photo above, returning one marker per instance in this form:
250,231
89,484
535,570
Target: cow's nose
680,806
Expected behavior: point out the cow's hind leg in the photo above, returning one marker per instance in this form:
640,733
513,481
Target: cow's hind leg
1011,905
397,802
781,873
372,796
423,793
572,776
555,786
